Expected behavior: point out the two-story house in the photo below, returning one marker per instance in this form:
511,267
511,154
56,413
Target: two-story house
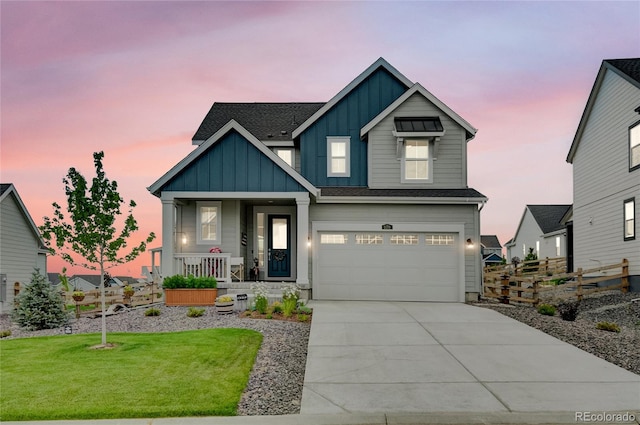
605,154
364,197
22,249
491,250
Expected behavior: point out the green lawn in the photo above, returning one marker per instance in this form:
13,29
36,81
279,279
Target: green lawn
193,373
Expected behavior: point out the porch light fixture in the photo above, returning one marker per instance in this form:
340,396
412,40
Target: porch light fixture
309,243
469,243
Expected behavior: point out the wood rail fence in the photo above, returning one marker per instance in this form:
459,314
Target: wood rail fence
145,294
533,288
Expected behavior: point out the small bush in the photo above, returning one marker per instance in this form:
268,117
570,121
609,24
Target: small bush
303,317
195,312
180,282
39,305
304,309
547,309
269,316
276,307
4,334
152,312
261,293
569,310
608,326
248,313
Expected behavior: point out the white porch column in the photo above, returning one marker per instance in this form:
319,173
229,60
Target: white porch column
168,237
302,218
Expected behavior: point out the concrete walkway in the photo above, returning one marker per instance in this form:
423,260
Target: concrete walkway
394,357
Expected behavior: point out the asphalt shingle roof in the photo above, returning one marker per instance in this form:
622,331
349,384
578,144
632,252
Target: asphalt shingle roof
548,217
630,67
490,241
266,121
4,187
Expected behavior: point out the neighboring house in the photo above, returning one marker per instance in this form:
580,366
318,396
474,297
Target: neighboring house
22,249
605,154
491,250
364,197
89,282
542,229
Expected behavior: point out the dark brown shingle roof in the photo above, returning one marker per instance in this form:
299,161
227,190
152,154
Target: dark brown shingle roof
266,121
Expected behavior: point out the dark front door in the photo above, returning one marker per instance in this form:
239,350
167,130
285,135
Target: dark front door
279,249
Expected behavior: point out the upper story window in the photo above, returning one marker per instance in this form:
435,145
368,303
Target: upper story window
416,161
338,161
634,146
286,154
630,219
209,222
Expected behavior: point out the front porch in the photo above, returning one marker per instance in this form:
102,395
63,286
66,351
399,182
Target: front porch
234,237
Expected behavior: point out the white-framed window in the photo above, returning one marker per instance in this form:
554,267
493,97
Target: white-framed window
338,160
368,239
634,146
630,219
557,246
286,154
416,161
334,238
209,222
403,239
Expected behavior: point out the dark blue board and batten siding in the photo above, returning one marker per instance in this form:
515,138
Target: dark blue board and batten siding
346,118
233,164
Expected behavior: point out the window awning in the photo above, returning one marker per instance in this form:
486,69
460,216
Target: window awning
418,125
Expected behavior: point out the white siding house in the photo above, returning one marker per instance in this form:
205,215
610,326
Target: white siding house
22,249
540,228
605,154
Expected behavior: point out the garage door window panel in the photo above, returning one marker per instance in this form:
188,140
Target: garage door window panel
334,239
369,239
404,240
433,239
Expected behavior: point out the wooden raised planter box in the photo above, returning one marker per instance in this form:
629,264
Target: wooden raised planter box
190,297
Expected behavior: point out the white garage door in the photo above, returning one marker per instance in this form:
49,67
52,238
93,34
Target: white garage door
401,266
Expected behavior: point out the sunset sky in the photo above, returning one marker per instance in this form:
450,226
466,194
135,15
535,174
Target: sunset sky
135,79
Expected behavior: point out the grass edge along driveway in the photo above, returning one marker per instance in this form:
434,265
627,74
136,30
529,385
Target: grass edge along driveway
146,375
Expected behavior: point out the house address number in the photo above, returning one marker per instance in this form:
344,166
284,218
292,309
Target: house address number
387,227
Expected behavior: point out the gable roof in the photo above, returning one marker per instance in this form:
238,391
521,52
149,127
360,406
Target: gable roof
417,88
380,63
7,189
266,121
628,69
202,148
490,241
549,217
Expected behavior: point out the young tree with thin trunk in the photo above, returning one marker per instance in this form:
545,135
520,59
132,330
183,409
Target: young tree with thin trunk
91,231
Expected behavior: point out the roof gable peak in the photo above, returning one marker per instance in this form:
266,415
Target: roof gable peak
380,63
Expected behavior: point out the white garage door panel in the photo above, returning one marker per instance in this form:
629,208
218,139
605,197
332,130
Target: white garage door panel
419,272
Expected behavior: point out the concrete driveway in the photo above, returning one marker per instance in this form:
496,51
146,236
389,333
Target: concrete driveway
392,357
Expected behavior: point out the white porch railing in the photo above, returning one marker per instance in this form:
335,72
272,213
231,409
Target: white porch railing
216,265
196,264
